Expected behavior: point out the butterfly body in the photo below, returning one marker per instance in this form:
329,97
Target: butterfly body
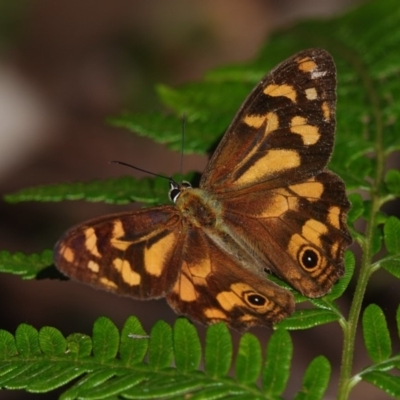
200,209
266,204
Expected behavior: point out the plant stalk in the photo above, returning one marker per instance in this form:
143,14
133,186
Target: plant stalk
346,382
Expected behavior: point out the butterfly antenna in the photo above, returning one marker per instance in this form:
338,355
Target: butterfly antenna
140,169
183,142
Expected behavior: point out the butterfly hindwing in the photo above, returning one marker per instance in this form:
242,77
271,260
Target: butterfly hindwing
298,232
212,286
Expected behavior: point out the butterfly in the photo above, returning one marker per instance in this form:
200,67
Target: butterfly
266,204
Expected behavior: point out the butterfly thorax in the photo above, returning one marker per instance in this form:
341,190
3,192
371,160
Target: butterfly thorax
199,207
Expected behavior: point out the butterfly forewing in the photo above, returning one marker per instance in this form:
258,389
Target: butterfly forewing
284,132
137,254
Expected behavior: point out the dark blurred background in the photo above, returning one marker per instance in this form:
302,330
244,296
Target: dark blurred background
67,65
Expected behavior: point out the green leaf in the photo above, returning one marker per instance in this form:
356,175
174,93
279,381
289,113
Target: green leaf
392,235
187,346
10,371
51,377
249,359
79,345
30,375
27,266
88,382
388,383
114,191
160,346
197,100
222,392
7,345
324,303
277,367
316,379
392,265
134,342
85,386
376,334
105,374
165,387
308,318
392,180
386,365
359,169
110,387
52,342
218,351
105,339
379,218
161,127
27,341
339,288
357,207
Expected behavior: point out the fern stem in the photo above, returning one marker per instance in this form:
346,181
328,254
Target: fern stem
346,382
350,329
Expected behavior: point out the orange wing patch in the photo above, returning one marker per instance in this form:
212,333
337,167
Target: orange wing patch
326,111
91,242
154,261
281,90
277,160
307,65
129,276
312,189
309,133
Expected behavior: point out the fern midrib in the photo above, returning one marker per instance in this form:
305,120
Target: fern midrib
346,383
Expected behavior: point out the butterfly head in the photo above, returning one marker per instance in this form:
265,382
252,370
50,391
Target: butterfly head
175,189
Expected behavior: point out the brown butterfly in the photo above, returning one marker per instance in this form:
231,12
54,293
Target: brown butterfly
266,204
